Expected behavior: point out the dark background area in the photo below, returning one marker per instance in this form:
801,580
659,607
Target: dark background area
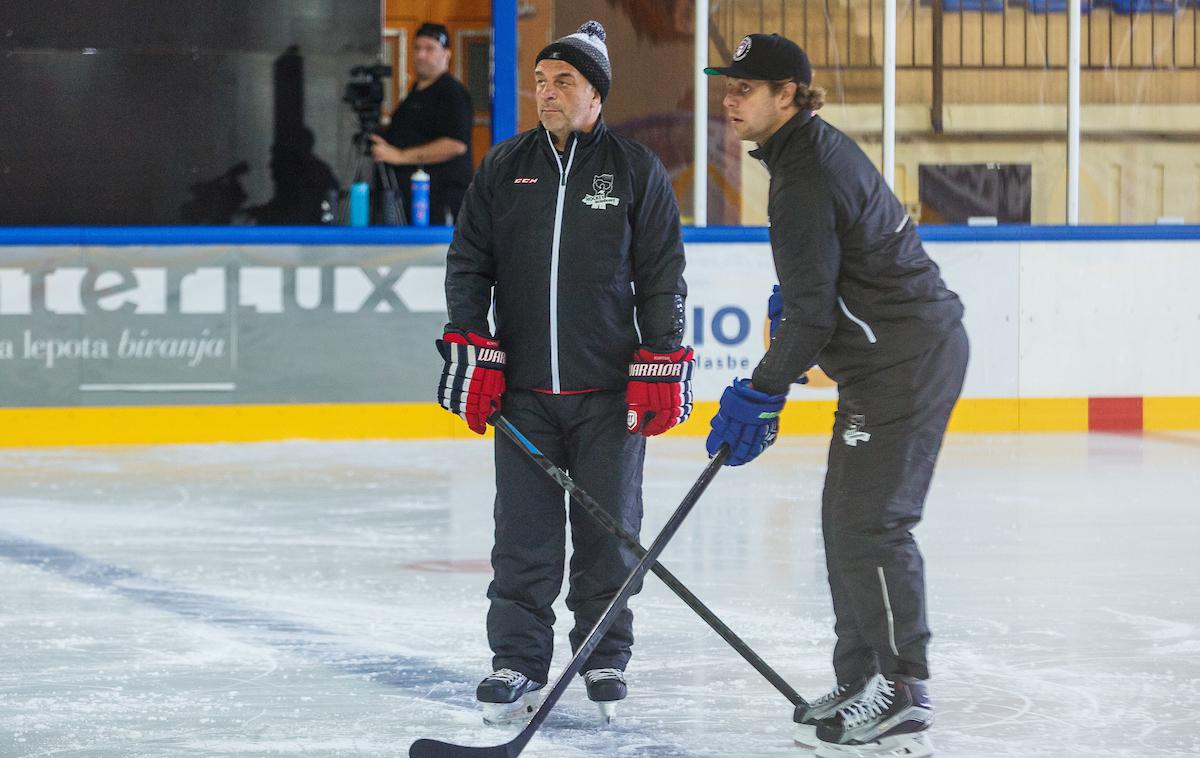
177,111
953,193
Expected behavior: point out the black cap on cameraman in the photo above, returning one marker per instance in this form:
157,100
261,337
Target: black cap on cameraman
438,32
767,56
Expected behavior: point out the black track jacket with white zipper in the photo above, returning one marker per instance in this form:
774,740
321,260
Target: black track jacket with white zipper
573,244
859,292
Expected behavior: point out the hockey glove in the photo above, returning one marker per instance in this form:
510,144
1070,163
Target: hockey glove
659,394
775,309
747,421
472,377
775,316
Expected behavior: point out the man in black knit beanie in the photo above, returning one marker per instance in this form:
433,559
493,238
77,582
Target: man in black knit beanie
572,232
586,51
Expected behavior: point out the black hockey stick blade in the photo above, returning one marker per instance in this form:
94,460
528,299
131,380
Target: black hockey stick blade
435,749
513,748
597,512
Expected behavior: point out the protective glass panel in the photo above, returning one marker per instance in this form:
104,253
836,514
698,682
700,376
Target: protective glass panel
844,43
1140,92
650,48
983,83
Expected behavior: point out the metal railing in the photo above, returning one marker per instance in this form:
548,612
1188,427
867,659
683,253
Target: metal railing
974,34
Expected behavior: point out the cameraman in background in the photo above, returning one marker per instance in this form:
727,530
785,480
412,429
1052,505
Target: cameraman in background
431,129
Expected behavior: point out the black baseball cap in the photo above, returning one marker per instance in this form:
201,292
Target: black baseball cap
438,32
767,56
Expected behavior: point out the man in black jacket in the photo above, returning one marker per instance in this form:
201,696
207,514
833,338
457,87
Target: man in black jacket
572,232
858,296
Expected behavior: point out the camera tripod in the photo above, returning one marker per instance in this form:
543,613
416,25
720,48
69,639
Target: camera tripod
375,174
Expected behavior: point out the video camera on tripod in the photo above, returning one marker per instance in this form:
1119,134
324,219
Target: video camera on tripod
364,92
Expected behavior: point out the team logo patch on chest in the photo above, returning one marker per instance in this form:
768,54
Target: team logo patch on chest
602,184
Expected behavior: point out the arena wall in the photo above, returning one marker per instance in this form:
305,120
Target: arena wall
190,335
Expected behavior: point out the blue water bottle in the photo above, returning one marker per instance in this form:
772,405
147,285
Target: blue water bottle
360,204
420,198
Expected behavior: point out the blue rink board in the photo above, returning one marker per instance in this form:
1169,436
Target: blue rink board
382,235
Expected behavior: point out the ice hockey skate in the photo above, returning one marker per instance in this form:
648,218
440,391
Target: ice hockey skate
508,696
889,720
805,717
606,688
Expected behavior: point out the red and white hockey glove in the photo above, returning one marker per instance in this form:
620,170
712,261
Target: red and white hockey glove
659,395
472,377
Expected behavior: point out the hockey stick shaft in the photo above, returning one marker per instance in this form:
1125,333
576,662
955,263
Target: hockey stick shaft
597,512
435,749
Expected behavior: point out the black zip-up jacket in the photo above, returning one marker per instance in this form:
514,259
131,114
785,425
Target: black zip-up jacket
574,245
859,292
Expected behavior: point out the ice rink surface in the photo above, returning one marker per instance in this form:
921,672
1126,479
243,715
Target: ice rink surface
328,599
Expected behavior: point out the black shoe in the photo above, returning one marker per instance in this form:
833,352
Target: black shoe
507,695
890,718
805,717
605,688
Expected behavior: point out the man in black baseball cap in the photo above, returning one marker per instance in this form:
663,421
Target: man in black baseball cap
859,297
767,56
769,79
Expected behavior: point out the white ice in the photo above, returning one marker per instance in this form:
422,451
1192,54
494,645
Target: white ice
328,599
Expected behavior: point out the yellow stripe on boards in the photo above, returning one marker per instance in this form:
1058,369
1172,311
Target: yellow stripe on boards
800,417
993,415
1168,413
125,425
998,414
1054,414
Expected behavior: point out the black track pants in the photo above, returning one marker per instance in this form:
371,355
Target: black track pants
887,432
585,435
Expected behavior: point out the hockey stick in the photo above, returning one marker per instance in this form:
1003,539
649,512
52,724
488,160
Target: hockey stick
593,508
513,748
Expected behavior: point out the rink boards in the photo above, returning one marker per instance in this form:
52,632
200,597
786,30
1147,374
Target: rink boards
188,335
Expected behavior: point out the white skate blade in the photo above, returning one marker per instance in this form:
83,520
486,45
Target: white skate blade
805,735
608,711
917,745
500,714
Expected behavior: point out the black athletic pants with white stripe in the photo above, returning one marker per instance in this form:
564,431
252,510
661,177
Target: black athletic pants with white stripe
584,435
874,495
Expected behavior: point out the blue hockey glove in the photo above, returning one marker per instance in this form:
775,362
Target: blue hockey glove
775,315
775,309
747,421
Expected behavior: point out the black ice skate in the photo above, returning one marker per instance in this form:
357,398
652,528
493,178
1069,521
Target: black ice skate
805,717
889,720
507,696
605,688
